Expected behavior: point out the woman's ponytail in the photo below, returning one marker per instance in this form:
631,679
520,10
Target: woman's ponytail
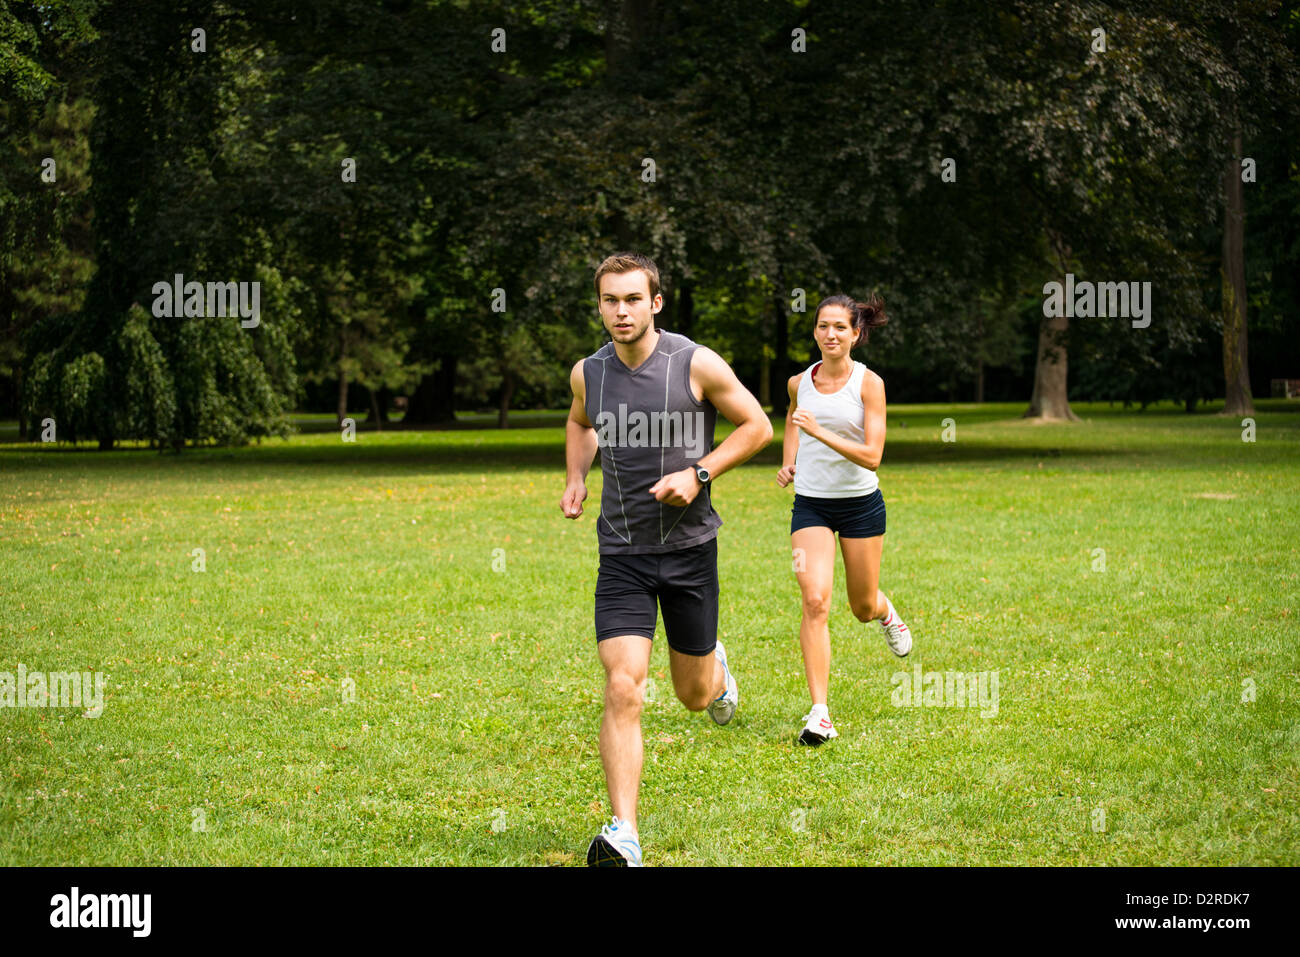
868,315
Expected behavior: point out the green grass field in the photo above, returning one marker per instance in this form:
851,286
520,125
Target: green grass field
1148,709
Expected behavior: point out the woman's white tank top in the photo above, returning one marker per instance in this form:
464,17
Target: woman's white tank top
820,471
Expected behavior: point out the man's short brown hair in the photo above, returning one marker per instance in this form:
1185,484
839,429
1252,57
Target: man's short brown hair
627,262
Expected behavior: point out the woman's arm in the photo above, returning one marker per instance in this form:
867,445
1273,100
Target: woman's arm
790,439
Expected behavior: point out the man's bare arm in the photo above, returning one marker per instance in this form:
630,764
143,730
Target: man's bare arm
738,405
580,446
741,409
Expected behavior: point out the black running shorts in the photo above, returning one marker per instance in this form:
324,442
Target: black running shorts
862,516
683,583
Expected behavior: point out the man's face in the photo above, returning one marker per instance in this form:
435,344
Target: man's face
625,305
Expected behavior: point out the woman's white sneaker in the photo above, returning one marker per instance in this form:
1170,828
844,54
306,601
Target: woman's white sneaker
818,729
897,635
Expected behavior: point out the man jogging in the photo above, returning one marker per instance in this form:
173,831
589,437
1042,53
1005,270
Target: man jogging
649,400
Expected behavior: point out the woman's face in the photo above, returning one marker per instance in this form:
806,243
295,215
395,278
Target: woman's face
834,332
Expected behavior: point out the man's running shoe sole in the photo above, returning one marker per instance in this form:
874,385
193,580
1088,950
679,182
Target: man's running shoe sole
601,853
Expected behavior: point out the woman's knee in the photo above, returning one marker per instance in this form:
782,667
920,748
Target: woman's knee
864,606
816,605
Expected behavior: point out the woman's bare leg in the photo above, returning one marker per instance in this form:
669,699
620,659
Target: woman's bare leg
813,551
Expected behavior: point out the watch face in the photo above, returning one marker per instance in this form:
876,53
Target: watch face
702,474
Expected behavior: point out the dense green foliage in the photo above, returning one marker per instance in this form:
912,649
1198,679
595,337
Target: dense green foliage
431,184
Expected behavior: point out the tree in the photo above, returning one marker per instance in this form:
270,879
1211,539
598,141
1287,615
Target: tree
157,188
1257,89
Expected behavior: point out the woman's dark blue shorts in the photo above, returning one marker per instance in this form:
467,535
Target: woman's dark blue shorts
860,517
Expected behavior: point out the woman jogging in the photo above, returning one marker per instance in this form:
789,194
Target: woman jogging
835,434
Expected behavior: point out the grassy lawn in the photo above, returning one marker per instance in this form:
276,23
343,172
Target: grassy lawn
390,656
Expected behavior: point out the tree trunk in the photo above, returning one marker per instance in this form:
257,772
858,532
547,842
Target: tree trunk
1050,399
341,409
979,362
685,310
434,400
631,27
1236,371
18,392
376,416
781,346
507,390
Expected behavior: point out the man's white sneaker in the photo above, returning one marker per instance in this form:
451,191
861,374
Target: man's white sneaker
724,706
818,729
896,633
616,846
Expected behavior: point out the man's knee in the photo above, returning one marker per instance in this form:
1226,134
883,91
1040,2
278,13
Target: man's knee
624,692
696,690
695,697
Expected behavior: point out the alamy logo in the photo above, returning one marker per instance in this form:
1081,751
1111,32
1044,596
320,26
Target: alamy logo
946,689
213,300
54,689
1088,300
102,910
637,429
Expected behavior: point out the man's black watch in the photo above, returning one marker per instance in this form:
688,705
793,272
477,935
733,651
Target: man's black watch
702,474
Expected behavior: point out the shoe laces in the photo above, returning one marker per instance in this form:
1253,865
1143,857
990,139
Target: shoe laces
620,832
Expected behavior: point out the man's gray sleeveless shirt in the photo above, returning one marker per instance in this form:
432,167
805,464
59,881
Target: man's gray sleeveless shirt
648,424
